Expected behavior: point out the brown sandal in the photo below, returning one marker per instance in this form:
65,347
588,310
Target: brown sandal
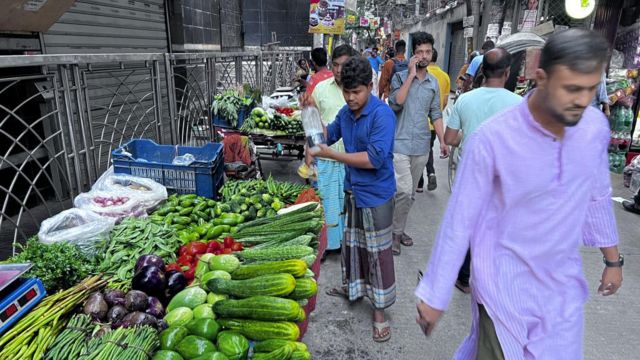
396,249
406,240
338,292
379,328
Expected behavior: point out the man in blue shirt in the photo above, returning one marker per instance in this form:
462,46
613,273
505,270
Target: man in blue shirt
366,125
472,70
375,60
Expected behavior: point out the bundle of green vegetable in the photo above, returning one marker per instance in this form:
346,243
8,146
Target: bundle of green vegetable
227,105
30,337
131,239
72,340
59,266
137,343
286,192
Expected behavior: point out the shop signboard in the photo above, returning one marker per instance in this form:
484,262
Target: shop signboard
468,32
467,21
327,17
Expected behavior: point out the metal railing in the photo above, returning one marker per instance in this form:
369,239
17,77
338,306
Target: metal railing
62,115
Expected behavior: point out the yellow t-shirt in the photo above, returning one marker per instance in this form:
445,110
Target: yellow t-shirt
444,83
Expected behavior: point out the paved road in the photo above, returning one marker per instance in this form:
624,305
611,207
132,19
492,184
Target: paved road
339,330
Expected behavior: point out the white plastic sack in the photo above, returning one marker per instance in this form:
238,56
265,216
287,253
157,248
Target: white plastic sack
77,226
149,192
111,204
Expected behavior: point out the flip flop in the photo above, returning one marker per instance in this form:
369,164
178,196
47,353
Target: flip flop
395,248
406,240
338,292
380,327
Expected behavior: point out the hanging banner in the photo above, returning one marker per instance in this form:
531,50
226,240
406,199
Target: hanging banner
364,21
352,21
374,23
327,17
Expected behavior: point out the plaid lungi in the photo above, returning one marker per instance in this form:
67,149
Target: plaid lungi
367,259
331,186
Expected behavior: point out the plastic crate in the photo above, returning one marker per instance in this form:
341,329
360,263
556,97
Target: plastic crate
243,113
145,158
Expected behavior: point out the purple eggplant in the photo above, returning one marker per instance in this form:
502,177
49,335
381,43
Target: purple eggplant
176,282
114,297
151,280
146,260
155,308
136,300
96,307
138,318
116,313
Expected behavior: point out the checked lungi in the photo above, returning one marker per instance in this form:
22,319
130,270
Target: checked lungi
367,259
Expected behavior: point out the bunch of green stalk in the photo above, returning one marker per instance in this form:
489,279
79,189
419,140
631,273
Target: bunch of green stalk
30,337
136,343
72,340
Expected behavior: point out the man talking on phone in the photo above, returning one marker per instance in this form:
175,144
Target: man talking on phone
415,96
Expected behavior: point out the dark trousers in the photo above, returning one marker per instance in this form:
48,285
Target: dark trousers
489,347
465,270
430,168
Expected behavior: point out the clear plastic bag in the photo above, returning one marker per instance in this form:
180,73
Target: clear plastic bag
77,226
111,204
148,192
313,129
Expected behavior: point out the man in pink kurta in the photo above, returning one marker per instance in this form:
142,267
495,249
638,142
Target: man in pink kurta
533,187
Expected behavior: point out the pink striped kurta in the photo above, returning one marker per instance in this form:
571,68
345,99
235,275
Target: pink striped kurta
524,202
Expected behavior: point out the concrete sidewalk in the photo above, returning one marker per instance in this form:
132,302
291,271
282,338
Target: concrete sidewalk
339,330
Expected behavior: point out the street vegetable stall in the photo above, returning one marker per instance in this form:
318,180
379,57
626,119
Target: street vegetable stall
190,277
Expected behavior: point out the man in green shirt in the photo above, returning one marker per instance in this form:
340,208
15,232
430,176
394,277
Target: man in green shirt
328,99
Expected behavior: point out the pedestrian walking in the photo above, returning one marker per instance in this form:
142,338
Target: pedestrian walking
533,186
390,67
319,66
471,79
375,60
415,96
474,108
444,84
327,97
366,125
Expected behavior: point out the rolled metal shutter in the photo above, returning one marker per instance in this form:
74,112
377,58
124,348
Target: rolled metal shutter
109,26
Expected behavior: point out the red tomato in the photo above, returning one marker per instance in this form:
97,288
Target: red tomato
227,251
183,250
236,247
190,274
228,241
185,260
173,266
214,245
196,248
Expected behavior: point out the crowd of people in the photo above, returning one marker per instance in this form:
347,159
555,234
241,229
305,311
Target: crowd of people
533,185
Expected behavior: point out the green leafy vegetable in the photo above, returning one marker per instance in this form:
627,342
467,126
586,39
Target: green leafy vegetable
59,266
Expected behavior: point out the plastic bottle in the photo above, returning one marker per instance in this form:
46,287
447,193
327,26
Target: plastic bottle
313,129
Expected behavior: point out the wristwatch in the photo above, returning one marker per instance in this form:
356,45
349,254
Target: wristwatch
618,263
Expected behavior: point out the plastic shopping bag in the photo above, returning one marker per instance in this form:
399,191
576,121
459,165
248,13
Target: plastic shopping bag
149,192
111,204
77,226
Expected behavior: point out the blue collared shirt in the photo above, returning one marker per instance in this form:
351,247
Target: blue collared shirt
372,132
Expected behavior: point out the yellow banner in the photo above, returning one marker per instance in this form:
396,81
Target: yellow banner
327,17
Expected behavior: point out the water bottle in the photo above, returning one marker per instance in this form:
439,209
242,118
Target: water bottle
313,130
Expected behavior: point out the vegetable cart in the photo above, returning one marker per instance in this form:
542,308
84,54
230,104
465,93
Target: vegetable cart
251,257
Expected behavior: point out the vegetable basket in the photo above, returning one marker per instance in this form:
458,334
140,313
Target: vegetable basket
144,158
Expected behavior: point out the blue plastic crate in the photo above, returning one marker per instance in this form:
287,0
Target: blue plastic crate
145,158
243,113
